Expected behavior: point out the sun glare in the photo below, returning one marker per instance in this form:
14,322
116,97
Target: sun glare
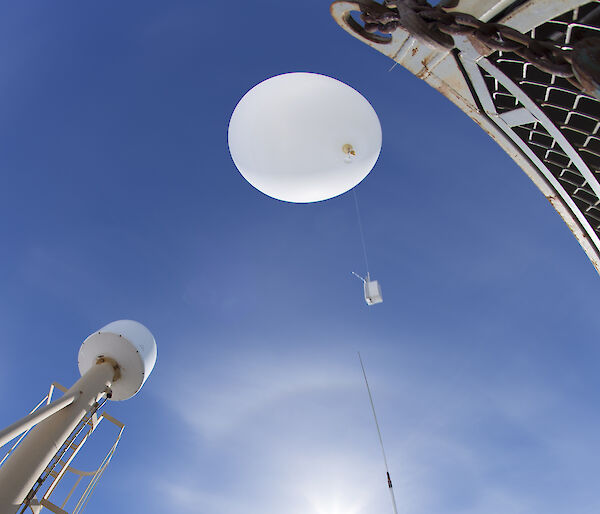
335,505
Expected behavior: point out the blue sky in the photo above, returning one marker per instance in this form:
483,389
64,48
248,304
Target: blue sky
119,200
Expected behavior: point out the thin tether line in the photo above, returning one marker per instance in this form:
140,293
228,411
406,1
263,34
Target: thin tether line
360,229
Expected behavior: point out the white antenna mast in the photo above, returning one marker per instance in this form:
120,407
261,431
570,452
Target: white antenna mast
387,471
114,363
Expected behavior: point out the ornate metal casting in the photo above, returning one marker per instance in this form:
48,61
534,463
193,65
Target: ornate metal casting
436,27
526,71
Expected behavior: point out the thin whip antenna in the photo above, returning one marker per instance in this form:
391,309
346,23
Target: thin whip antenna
360,229
358,276
387,471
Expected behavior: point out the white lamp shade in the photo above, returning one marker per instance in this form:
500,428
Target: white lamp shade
304,137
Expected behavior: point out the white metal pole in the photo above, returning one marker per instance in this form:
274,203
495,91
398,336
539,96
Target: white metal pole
21,470
24,424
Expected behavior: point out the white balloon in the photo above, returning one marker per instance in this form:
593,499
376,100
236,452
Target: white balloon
304,137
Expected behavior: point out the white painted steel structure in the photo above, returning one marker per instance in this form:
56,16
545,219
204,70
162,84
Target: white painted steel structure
22,469
119,357
519,112
32,419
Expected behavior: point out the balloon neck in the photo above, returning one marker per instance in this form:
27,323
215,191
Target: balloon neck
350,153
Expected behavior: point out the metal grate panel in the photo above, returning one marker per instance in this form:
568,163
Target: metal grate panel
575,114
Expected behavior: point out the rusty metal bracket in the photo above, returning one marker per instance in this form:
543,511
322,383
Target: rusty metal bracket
436,27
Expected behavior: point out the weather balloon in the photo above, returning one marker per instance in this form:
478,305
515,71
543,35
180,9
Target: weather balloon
304,137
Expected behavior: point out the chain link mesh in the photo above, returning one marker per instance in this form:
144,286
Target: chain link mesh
436,27
575,114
